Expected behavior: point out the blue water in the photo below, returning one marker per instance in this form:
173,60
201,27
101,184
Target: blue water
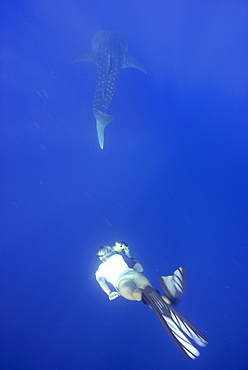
171,181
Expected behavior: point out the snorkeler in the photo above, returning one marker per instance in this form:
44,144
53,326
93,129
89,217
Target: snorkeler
120,271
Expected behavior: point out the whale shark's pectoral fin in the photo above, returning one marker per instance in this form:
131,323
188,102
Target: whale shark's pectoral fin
89,57
102,119
129,61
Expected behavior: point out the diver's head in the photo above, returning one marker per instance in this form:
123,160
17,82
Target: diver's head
104,253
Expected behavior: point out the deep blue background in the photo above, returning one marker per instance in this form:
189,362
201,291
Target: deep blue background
171,181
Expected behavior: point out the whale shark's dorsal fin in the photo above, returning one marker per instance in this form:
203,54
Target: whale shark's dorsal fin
129,61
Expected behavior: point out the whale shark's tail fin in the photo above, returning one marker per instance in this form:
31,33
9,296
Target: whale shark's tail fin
102,119
175,324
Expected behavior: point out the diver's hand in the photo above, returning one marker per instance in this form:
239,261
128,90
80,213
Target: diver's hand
113,295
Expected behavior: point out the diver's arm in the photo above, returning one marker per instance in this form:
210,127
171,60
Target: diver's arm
131,262
138,267
112,295
127,253
102,282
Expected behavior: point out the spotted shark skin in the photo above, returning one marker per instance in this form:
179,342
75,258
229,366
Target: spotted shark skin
109,53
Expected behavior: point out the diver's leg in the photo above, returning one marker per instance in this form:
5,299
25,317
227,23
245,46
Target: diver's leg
133,287
128,290
142,282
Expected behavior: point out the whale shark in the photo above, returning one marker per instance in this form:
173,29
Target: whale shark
109,53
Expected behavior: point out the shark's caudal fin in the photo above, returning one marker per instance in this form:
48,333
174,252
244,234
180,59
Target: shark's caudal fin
129,61
175,324
102,119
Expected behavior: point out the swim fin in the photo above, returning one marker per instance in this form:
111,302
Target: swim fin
173,285
175,324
